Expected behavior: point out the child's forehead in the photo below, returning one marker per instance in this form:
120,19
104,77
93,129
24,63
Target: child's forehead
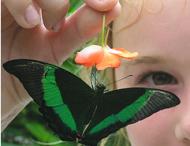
157,11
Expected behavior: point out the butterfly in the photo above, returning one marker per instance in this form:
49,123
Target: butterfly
75,111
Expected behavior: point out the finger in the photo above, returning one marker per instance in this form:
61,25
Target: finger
53,12
101,5
78,28
25,12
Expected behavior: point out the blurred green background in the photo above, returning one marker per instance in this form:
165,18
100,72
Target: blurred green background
29,128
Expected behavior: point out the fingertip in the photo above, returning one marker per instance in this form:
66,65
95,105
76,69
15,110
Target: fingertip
114,12
53,13
101,5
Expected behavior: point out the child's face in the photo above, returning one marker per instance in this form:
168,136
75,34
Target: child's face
163,42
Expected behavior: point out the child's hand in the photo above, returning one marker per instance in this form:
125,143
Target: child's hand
27,13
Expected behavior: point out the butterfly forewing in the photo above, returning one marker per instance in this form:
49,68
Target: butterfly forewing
158,100
65,100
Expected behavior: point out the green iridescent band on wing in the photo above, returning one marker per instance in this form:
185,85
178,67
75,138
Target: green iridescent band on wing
53,98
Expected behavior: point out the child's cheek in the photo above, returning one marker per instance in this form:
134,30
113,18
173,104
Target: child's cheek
155,130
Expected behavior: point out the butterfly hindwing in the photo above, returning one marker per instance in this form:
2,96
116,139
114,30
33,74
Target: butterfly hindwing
62,97
122,107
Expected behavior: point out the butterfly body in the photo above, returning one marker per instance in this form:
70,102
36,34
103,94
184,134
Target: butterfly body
77,112
99,90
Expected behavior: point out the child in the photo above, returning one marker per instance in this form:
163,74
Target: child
160,32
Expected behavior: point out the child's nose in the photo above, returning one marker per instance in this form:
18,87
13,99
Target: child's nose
182,130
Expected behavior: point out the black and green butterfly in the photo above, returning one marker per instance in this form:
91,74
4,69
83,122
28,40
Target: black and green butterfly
82,114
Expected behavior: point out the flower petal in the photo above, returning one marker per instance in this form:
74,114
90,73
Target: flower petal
109,60
90,55
121,52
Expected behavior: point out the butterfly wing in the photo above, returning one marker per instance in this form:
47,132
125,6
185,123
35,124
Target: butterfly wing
122,107
64,99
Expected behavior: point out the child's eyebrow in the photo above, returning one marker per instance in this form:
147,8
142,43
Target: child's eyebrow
146,60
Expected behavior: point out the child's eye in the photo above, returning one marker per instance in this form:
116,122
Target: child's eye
157,78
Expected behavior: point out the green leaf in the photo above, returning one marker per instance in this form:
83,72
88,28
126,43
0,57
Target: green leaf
71,66
74,5
40,132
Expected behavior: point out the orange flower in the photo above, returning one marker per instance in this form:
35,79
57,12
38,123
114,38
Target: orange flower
103,57
90,56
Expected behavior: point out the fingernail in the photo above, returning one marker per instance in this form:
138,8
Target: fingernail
31,15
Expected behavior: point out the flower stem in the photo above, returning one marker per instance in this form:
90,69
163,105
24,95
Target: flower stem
103,31
107,34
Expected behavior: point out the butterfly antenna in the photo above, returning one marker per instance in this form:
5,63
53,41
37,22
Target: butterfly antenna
118,80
